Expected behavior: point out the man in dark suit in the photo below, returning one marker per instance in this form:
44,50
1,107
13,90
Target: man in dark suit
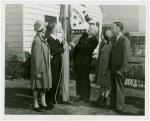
119,58
82,57
56,49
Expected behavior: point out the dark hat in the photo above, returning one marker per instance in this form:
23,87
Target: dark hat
50,27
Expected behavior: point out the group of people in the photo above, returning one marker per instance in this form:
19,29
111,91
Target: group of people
46,64
114,52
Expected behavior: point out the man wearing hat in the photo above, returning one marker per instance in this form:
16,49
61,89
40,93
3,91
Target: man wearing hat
57,49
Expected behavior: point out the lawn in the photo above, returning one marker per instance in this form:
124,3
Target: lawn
18,100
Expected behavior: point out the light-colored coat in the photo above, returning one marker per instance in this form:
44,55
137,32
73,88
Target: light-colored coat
40,64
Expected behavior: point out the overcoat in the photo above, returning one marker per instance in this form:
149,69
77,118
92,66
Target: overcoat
40,64
103,62
82,57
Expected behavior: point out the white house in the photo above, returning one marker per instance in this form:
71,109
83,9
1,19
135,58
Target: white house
20,18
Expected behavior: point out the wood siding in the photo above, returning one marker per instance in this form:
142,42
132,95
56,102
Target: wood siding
128,15
142,15
35,12
13,29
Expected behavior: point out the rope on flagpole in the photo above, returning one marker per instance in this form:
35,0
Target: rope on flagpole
63,88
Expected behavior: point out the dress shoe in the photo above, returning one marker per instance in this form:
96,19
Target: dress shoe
36,109
45,107
86,100
112,108
100,99
79,99
106,102
118,111
50,105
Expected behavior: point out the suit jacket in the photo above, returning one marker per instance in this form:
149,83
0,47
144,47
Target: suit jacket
119,55
84,49
56,49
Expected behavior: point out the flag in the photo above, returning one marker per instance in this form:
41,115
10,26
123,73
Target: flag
78,22
78,18
72,18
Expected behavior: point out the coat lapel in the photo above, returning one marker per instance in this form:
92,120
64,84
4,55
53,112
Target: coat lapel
53,40
83,37
87,39
118,42
44,41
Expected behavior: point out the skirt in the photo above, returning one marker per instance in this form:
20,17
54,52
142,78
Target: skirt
41,84
104,80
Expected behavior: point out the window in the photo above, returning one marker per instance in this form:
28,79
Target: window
106,26
50,20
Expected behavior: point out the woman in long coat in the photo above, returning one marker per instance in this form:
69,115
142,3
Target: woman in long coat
103,75
41,79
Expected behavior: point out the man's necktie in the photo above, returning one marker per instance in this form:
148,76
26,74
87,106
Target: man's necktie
115,40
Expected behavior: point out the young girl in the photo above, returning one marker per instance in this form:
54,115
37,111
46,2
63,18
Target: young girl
103,75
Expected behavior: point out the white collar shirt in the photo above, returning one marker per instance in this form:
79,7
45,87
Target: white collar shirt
118,37
52,35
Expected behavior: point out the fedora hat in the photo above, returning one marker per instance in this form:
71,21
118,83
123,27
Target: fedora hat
39,25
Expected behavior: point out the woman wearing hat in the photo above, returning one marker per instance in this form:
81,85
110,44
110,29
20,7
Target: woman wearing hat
41,79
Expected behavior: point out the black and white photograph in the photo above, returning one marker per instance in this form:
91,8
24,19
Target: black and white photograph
75,59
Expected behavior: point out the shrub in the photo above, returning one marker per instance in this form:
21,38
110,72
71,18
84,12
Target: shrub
16,67
135,71
13,68
27,65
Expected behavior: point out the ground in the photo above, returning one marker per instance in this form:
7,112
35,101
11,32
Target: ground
18,100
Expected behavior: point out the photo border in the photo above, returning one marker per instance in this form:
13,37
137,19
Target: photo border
76,117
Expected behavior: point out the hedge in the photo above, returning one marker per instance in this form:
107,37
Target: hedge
17,68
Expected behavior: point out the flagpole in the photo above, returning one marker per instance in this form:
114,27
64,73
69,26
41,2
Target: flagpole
65,74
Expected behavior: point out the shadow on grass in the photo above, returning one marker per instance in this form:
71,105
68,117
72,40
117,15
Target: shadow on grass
137,102
135,88
92,103
139,113
21,98
18,98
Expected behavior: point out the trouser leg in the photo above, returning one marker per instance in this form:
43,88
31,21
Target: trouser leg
113,90
55,79
85,82
120,95
78,81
